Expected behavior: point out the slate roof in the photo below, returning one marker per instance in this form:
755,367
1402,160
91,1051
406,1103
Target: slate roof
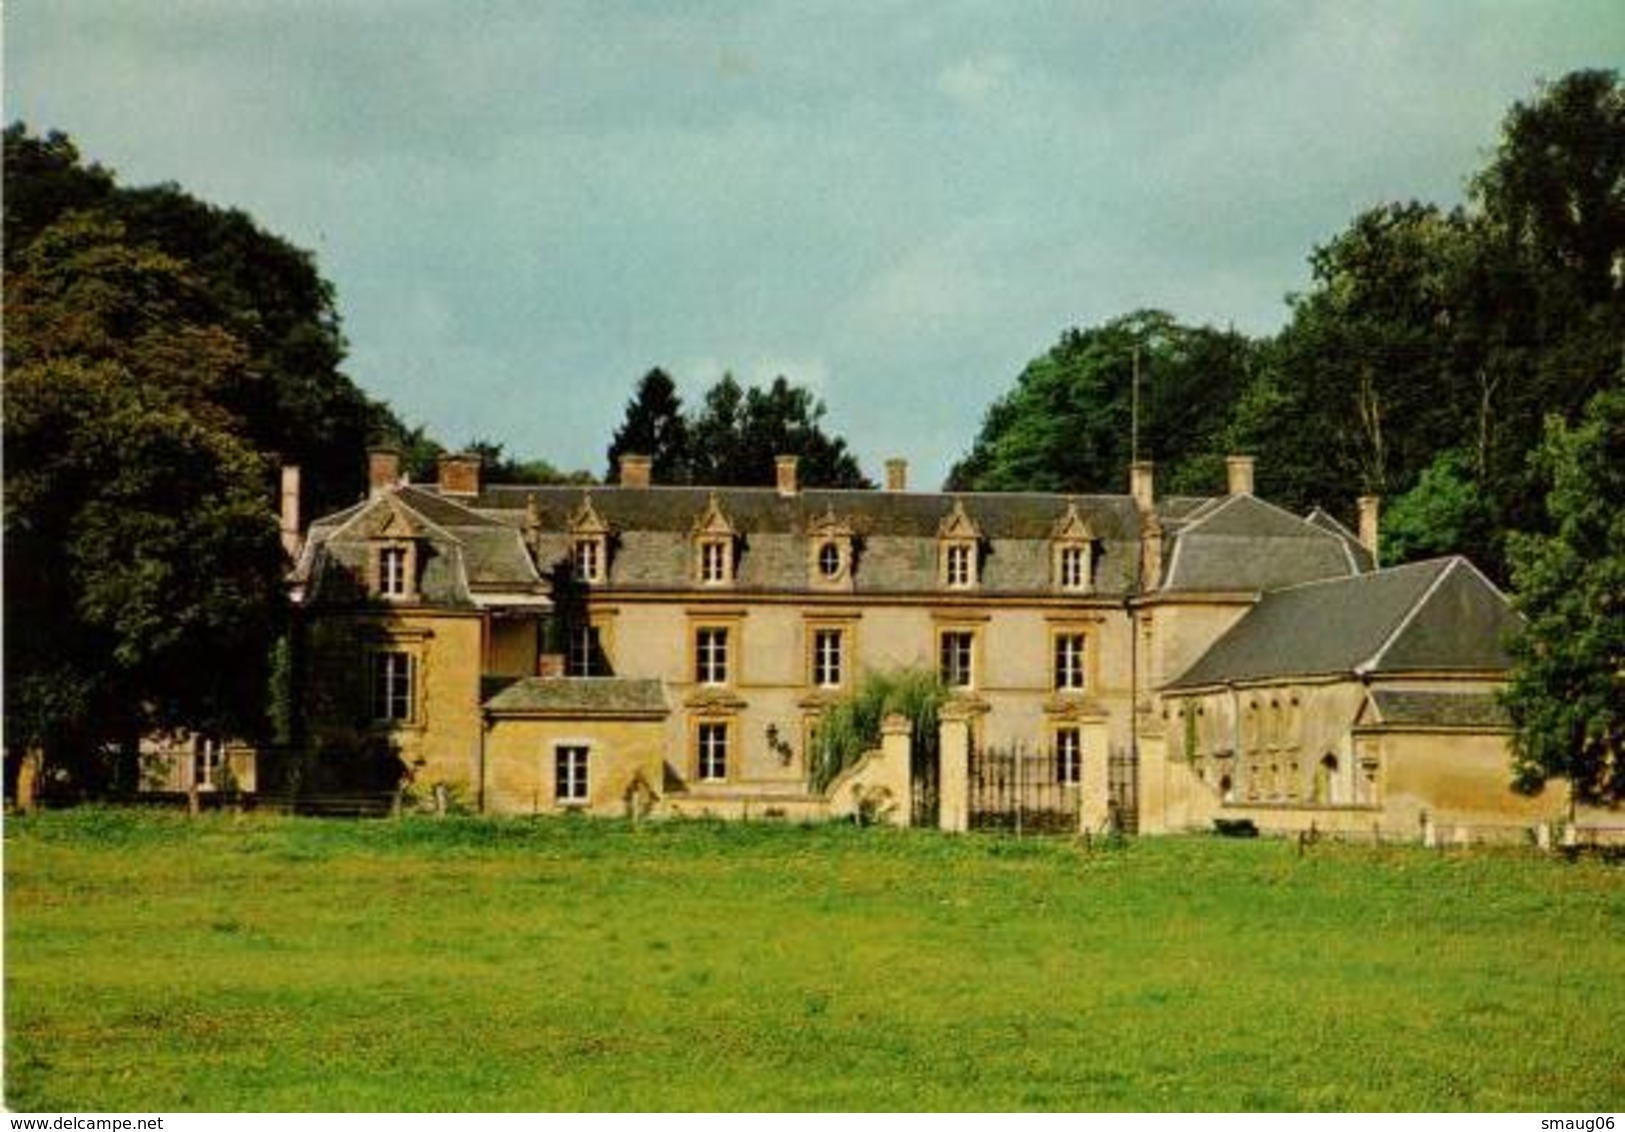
1467,710
1240,542
1436,616
580,696
895,534
463,556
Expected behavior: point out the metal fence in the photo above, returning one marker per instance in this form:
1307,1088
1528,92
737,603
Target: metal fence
1023,791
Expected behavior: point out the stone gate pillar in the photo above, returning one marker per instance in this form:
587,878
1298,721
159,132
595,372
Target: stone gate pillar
1094,778
953,775
897,757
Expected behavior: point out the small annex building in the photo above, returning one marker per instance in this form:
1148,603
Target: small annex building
1367,701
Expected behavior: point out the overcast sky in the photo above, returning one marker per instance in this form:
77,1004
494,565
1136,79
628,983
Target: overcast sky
524,206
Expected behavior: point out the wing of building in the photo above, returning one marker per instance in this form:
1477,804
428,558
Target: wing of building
640,646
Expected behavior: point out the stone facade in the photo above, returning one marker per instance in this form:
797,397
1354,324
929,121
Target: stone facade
647,648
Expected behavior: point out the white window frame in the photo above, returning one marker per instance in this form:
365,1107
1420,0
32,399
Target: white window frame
588,558
392,570
1068,755
1069,654
959,566
958,667
581,649
571,773
1073,566
208,756
711,666
716,567
393,686
711,753
829,658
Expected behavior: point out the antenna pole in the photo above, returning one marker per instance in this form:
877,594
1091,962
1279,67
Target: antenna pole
1134,412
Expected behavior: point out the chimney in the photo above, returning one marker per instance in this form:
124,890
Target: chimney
635,470
784,468
1369,508
383,470
1141,484
896,474
459,473
1239,469
290,510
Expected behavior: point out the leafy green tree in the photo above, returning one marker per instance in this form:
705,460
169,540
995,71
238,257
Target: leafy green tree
143,569
1067,424
739,432
496,467
1445,513
291,401
850,727
654,426
1567,689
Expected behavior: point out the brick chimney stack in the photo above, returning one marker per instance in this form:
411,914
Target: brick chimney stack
784,468
291,542
1239,469
635,470
383,470
896,474
1370,509
1142,484
459,473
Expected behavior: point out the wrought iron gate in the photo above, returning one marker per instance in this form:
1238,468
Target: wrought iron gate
923,783
1019,790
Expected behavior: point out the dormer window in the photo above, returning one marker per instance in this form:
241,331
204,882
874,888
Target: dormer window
1073,542
829,561
589,559
829,548
714,545
589,543
714,565
392,571
958,543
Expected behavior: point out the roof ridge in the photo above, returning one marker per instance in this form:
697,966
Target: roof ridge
1426,596
1369,575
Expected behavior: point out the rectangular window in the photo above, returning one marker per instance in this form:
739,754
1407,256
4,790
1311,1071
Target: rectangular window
392,571
827,658
588,560
956,653
711,656
584,655
1069,662
959,565
1068,756
713,753
392,687
570,774
206,763
1072,568
713,562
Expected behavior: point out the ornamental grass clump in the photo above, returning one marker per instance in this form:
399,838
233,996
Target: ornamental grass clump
851,726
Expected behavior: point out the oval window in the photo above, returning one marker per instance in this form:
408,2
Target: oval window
829,560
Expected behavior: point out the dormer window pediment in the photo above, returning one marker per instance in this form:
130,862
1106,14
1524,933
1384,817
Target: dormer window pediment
715,546
959,542
830,552
589,543
1072,554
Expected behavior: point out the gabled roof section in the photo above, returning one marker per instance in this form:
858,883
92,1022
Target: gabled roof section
464,558
713,520
1240,542
829,525
1326,521
585,519
1439,616
956,524
1070,527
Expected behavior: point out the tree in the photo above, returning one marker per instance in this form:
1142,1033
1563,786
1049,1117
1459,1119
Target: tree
1443,514
655,427
143,568
739,432
850,727
1067,424
1567,688
291,400
497,467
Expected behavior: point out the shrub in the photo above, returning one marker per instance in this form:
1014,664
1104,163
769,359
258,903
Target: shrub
851,726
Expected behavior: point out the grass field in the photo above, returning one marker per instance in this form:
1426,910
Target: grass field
158,963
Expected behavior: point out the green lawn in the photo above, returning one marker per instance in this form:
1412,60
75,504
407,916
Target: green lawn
159,963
